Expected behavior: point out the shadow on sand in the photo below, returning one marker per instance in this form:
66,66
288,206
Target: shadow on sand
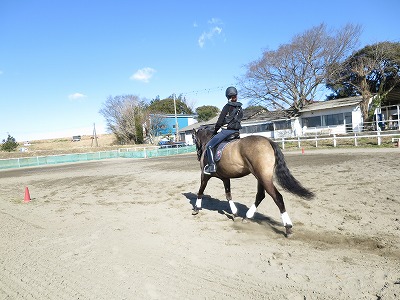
223,208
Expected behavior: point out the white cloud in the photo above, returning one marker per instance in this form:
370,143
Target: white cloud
143,75
209,35
215,21
76,96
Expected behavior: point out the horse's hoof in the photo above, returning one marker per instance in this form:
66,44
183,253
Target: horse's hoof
289,231
195,211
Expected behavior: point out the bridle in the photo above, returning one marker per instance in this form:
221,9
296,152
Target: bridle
199,148
198,142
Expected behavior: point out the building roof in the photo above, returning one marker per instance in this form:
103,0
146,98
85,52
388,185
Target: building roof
393,98
328,104
267,115
197,125
253,111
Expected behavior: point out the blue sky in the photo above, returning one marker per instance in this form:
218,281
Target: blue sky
61,59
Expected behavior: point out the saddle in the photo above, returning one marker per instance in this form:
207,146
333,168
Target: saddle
221,146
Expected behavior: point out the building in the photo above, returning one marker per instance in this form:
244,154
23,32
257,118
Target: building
329,117
168,126
332,116
271,124
185,133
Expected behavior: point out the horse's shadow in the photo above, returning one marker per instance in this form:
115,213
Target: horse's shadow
223,208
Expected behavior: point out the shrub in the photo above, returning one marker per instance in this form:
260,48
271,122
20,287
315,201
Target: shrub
9,145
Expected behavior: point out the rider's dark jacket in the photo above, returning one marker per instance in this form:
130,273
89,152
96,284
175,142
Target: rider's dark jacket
231,115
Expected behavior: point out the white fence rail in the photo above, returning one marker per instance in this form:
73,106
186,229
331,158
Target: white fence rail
335,140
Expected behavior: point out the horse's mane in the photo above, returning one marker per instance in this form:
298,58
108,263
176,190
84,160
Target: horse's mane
201,137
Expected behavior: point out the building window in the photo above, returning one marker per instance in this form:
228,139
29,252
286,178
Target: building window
281,125
327,120
312,121
347,118
257,128
330,120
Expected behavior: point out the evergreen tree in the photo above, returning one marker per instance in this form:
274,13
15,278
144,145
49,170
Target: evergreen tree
206,112
9,145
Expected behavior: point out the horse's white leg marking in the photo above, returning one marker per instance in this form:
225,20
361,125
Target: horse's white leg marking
233,207
286,220
252,210
198,203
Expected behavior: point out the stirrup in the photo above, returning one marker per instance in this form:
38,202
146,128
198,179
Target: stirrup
208,169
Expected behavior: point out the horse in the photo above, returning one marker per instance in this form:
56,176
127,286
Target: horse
253,154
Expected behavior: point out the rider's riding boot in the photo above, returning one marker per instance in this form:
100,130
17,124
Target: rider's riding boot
210,167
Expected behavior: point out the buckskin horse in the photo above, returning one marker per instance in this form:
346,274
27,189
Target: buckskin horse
252,154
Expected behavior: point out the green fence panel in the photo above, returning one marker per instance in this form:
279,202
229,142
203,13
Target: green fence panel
132,154
108,154
9,163
90,156
28,161
152,153
42,160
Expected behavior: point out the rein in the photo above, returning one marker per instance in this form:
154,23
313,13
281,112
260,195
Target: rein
201,138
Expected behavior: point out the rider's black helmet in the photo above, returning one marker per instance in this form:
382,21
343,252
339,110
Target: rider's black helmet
230,91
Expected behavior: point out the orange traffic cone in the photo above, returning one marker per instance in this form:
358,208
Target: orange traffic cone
302,150
27,197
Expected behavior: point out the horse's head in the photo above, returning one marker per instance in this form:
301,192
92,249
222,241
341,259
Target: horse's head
201,137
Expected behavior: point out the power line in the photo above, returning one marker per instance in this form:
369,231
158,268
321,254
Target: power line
204,91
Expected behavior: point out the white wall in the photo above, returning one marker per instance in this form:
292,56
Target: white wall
356,116
357,119
296,127
189,138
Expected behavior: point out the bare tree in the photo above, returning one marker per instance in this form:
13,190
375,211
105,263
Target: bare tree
124,116
153,123
292,75
373,70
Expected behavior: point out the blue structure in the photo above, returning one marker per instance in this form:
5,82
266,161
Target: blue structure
169,127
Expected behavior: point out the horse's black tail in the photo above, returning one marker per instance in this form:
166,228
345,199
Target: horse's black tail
285,178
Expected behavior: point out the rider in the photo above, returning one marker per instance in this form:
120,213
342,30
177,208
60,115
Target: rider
231,115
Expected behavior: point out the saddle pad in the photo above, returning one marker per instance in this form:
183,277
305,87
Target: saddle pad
220,149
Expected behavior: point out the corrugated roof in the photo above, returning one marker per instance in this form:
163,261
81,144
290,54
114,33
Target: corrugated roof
350,101
267,115
197,125
253,111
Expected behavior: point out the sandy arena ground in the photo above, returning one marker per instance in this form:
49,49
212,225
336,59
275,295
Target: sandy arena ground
123,229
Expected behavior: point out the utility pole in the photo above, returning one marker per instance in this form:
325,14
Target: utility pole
94,137
176,121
